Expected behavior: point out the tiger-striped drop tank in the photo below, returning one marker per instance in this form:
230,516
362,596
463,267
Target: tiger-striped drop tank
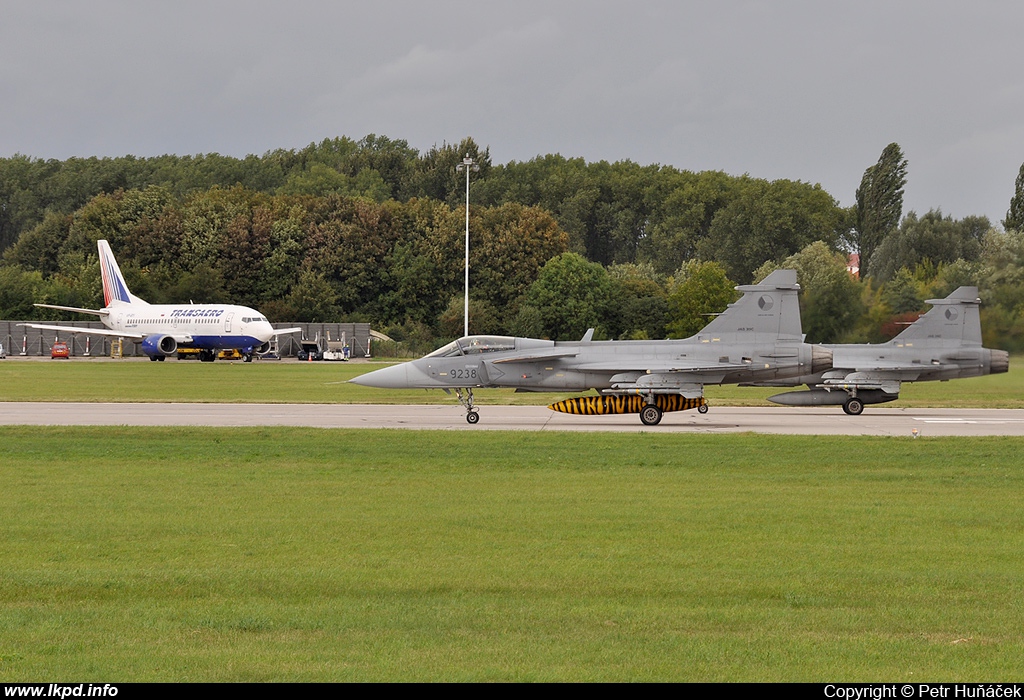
607,405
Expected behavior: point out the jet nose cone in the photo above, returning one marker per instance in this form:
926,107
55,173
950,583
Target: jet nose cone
403,376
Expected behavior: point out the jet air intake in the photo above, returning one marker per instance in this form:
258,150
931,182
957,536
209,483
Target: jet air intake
609,405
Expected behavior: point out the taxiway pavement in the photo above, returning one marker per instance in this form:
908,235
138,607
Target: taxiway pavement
927,422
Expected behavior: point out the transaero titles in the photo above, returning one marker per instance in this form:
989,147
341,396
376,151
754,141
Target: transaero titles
197,312
923,690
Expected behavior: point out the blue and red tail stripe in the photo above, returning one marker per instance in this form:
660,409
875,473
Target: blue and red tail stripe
114,287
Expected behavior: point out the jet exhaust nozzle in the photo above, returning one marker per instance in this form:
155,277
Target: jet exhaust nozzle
999,362
821,359
610,405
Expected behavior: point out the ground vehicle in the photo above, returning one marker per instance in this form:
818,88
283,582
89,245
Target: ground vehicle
337,350
310,350
60,351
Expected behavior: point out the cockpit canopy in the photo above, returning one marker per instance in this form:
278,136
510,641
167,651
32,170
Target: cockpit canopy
476,344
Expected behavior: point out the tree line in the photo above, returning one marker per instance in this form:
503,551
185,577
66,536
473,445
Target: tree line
373,230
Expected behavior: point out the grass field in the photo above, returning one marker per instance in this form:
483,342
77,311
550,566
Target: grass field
326,555
318,382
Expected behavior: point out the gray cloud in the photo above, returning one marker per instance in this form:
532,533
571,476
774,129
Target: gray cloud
804,89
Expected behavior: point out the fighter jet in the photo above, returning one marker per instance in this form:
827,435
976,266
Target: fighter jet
945,343
757,338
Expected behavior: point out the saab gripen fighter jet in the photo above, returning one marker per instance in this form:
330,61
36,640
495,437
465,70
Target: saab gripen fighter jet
758,338
945,343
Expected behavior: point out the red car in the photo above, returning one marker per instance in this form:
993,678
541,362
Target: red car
60,350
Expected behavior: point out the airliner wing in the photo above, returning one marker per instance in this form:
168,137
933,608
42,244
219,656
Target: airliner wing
86,331
93,312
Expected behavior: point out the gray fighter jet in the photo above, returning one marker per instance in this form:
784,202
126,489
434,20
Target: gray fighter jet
758,338
945,343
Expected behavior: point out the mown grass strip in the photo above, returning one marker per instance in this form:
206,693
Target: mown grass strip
325,555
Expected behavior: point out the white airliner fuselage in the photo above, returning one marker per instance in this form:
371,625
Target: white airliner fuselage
163,328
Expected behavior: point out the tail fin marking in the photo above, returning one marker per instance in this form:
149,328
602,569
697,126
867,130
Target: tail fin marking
955,319
114,286
770,308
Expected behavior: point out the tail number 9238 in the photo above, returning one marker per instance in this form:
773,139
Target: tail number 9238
462,373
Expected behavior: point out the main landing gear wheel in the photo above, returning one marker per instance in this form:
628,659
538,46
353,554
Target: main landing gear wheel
472,417
247,357
853,407
703,408
650,414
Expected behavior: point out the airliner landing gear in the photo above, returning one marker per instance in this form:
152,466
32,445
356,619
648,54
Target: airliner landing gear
207,356
247,357
472,417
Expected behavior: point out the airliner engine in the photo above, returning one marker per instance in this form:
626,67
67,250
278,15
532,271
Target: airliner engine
159,345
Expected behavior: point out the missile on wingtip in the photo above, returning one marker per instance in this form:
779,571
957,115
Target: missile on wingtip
609,405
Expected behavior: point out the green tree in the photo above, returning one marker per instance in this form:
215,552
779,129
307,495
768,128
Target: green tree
17,292
879,203
686,206
903,293
436,176
638,309
393,159
932,238
770,221
830,298
484,319
570,296
698,291
38,248
509,244
313,298
1015,216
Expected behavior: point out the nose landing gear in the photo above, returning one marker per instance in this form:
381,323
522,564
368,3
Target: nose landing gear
472,417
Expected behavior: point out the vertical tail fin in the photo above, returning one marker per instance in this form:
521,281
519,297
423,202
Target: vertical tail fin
114,287
955,319
770,309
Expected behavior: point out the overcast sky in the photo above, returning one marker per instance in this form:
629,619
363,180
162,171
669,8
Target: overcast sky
807,90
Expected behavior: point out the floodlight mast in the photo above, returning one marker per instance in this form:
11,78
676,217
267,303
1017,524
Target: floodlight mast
467,164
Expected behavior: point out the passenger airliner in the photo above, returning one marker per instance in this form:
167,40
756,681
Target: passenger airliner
163,328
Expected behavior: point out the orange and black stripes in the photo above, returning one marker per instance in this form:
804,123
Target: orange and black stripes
607,405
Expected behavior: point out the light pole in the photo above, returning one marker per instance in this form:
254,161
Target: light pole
467,164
